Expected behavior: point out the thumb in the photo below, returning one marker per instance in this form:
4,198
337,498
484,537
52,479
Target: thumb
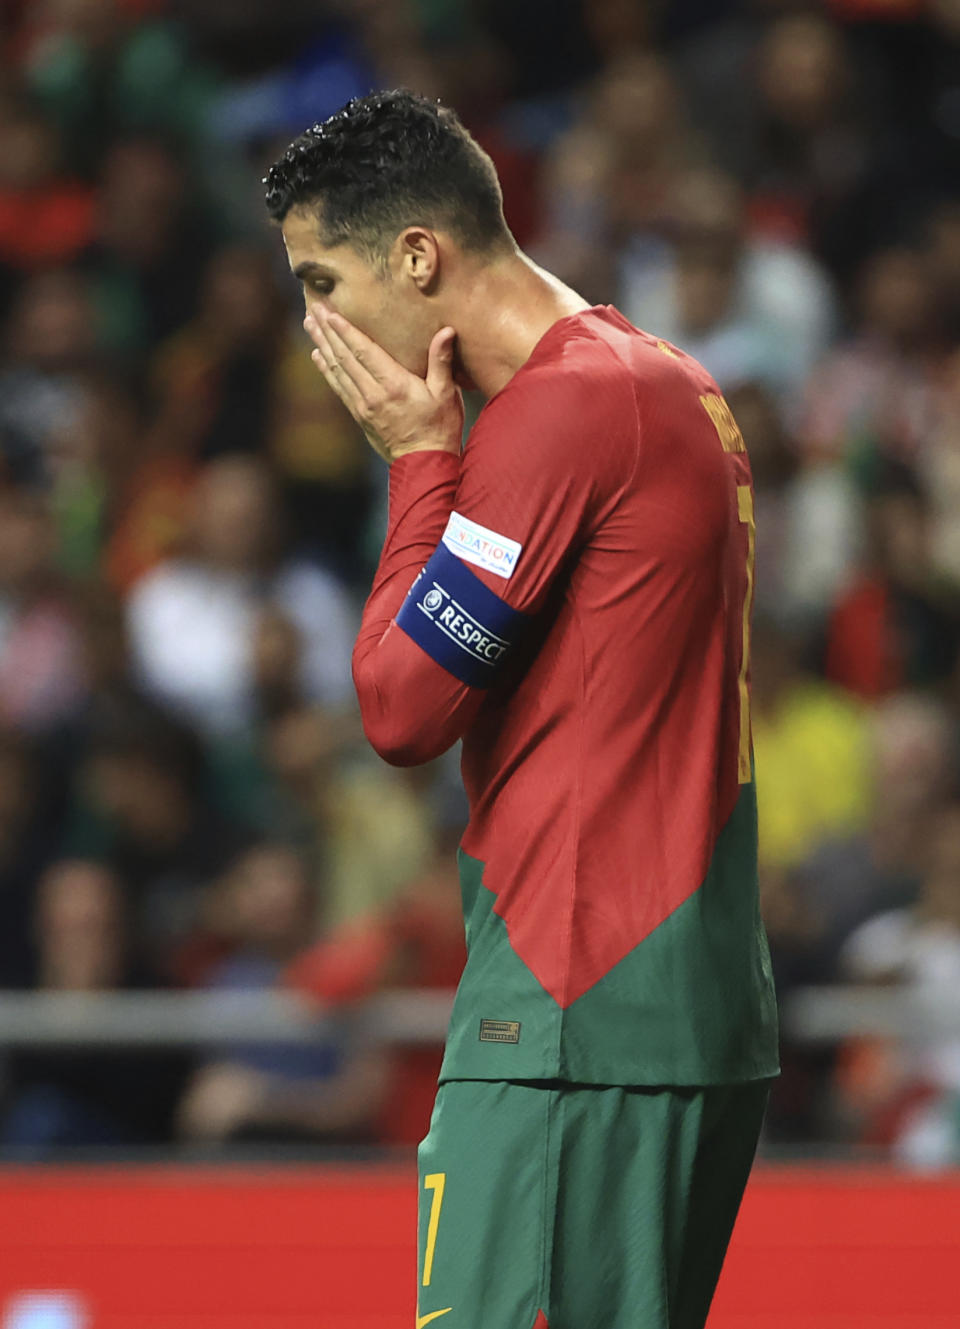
440,361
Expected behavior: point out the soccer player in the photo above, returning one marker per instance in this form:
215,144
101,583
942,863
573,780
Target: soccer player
571,596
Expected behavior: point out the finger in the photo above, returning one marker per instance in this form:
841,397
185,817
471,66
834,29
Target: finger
318,335
338,382
312,327
368,387
335,378
379,363
336,355
440,362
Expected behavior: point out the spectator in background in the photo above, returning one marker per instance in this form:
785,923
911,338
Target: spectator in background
752,309
799,1100
848,878
149,494
371,820
40,672
99,73
907,1093
322,461
574,238
108,705
615,26
823,538
214,378
716,59
416,941
874,393
812,749
812,909
27,838
245,782
942,255
938,471
608,176
324,1089
708,326
636,104
88,458
305,773
48,346
781,98
143,807
809,155
872,403
70,1097
193,619
148,248
893,626
46,217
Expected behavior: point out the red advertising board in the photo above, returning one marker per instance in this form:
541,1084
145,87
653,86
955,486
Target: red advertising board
332,1248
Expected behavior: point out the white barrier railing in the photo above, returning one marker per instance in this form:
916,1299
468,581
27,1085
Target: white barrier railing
184,1019
830,1013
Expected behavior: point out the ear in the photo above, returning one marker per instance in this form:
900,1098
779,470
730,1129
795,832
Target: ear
420,257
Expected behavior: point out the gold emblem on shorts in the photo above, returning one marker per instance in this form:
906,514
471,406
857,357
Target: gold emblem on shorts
499,1031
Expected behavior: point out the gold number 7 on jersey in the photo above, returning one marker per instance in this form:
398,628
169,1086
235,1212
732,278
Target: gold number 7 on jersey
731,440
434,1182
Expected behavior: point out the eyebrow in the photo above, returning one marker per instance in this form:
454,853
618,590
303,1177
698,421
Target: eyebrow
310,269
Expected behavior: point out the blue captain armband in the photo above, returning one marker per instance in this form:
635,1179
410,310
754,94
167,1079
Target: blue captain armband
458,621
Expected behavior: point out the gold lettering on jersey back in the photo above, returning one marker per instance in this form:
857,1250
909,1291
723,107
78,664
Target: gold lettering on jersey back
667,349
745,513
731,440
719,412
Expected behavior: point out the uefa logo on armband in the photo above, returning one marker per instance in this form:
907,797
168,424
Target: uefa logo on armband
461,628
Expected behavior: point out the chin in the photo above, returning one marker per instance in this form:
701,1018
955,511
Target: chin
463,380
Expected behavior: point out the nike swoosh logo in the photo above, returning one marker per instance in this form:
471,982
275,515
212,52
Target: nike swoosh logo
425,1319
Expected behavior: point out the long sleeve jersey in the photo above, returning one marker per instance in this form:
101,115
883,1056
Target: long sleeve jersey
572,597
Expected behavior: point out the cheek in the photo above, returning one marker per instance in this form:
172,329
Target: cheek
382,318
400,332
355,310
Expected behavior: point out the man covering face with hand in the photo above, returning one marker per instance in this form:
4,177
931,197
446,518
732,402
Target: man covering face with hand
570,595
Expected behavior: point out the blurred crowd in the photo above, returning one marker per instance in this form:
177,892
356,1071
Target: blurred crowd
188,519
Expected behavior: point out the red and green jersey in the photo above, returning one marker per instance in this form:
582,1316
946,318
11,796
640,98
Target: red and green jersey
572,598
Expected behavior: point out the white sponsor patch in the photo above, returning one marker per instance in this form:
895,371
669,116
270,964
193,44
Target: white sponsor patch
485,549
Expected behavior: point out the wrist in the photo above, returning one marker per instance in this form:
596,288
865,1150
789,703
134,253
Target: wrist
453,449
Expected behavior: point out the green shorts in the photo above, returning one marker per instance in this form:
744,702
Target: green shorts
580,1207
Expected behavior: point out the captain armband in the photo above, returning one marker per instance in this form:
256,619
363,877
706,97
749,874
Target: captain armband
458,621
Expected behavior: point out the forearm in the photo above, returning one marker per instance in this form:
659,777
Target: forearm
422,488
412,710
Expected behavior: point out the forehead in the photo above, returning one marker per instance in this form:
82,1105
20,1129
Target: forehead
304,244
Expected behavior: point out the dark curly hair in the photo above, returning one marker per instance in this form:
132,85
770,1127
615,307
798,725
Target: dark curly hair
386,161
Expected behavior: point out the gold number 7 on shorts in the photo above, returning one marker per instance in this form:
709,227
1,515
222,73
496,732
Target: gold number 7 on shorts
434,1182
